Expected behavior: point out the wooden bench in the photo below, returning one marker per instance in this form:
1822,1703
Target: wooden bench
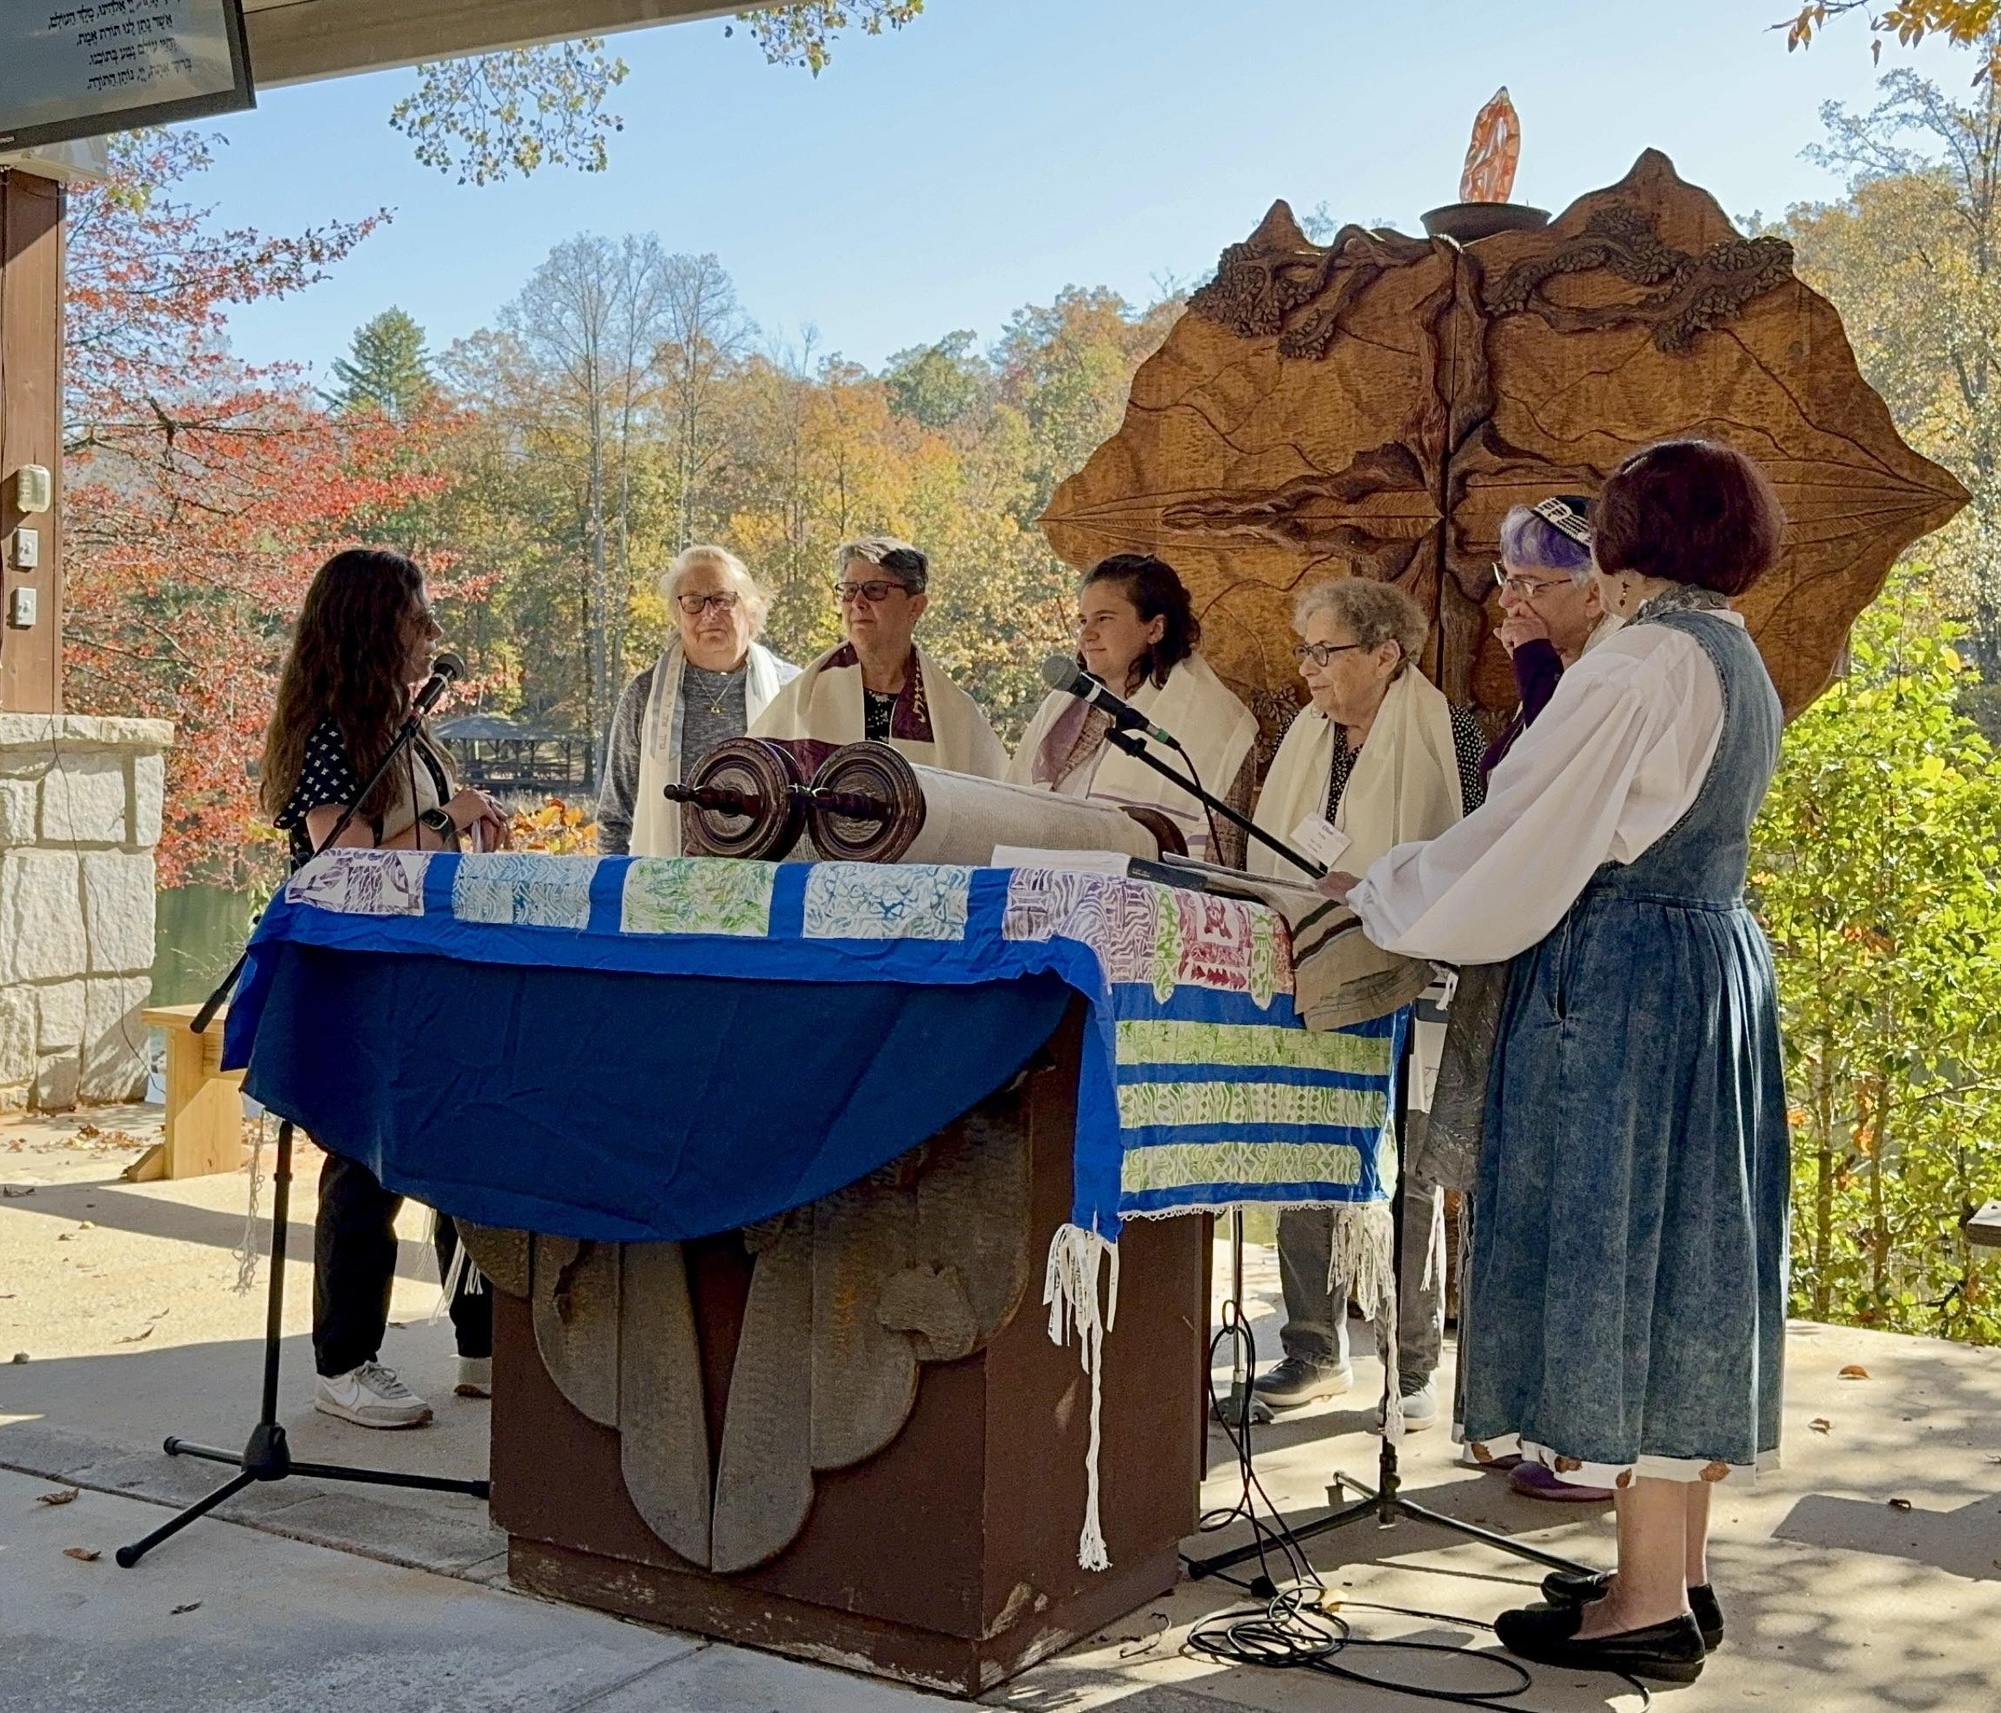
204,1102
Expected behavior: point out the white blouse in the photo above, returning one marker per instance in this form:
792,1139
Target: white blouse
1612,763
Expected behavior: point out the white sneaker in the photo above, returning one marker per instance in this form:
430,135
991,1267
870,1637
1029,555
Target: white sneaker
1420,1408
475,1377
372,1397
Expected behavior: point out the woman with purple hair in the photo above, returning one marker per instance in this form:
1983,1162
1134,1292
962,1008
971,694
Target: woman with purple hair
1552,609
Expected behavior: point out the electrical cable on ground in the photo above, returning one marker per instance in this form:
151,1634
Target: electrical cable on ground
1297,1626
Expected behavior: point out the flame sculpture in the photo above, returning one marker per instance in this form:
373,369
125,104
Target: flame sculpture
1494,153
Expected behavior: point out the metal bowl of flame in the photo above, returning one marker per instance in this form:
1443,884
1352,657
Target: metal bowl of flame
1468,222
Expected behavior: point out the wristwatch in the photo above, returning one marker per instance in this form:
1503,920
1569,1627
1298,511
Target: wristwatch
440,823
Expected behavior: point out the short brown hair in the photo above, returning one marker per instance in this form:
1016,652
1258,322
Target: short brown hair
1689,511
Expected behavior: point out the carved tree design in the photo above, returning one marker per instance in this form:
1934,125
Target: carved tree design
1373,407
921,1262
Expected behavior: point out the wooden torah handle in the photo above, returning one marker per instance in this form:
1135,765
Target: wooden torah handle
866,804
743,800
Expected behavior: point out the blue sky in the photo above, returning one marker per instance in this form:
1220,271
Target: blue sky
998,150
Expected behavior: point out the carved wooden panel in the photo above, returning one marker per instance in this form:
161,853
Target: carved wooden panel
1373,407
923,1261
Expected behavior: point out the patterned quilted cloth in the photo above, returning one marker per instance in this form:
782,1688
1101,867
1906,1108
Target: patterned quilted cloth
1200,1088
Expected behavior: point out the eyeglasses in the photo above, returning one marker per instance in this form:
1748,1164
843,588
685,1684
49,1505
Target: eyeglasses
1321,652
694,605
1527,588
875,591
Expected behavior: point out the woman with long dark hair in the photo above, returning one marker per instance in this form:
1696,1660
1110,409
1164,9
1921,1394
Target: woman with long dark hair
364,638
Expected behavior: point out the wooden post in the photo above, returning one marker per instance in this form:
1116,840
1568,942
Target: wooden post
31,298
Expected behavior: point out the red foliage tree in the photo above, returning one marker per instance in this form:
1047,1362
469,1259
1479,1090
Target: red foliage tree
202,492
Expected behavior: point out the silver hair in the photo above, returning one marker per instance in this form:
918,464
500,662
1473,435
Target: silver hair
907,564
756,602
1376,612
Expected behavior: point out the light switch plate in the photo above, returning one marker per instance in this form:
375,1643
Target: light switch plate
21,609
27,548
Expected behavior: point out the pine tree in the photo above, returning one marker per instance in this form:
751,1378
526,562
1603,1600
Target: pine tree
388,369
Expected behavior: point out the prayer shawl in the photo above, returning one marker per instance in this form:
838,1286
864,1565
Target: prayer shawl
1194,704
1404,787
936,724
656,822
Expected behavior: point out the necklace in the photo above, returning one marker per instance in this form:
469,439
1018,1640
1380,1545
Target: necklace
729,681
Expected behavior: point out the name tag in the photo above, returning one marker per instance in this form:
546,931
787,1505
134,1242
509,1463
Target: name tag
1320,839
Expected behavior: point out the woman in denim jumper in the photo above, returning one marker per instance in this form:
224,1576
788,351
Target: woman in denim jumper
1628,1281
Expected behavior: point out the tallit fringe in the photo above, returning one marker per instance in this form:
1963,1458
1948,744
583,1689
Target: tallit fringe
1070,1290
463,1275
1362,1261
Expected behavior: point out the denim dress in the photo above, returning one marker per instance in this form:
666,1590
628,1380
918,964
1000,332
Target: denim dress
1627,1290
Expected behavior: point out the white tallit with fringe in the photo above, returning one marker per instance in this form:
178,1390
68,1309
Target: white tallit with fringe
825,702
1404,787
656,822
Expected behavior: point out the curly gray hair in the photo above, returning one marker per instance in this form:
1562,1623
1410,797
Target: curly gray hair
1376,612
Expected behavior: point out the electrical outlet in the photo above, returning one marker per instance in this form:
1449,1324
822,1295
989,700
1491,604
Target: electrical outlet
21,609
27,548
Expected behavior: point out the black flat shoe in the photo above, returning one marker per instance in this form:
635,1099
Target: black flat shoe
1670,1652
1571,1588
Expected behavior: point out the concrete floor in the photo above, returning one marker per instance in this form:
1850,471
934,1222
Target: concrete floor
121,1297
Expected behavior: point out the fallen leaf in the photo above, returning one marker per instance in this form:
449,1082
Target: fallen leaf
12,1190
20,1356
85,1225
1820,1424
1855,1371
145,1332
191,1606
1900,1504
84,1554
61,1496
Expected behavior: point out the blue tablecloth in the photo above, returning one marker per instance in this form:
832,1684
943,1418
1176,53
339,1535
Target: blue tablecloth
660,1048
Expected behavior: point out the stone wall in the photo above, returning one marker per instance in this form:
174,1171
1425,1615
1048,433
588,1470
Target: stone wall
79,816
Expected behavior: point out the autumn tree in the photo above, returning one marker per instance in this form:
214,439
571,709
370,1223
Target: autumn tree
200,493
590,325
488,117
1912,259
704,336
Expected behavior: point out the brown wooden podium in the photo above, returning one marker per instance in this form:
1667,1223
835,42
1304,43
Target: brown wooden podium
949,1558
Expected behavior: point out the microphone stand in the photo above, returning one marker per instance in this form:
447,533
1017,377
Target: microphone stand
1136,748
1384,1502
267,1455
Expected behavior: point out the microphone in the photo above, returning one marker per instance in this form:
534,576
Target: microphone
1062,673
444,670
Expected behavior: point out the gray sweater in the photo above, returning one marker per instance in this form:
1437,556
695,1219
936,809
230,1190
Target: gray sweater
712,709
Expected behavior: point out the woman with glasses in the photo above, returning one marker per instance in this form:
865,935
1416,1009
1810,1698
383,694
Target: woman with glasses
711,682
1551,610
1380,754
1136,632
878,684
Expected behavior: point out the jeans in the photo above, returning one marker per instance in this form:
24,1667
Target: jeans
1316,1320
354,1268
